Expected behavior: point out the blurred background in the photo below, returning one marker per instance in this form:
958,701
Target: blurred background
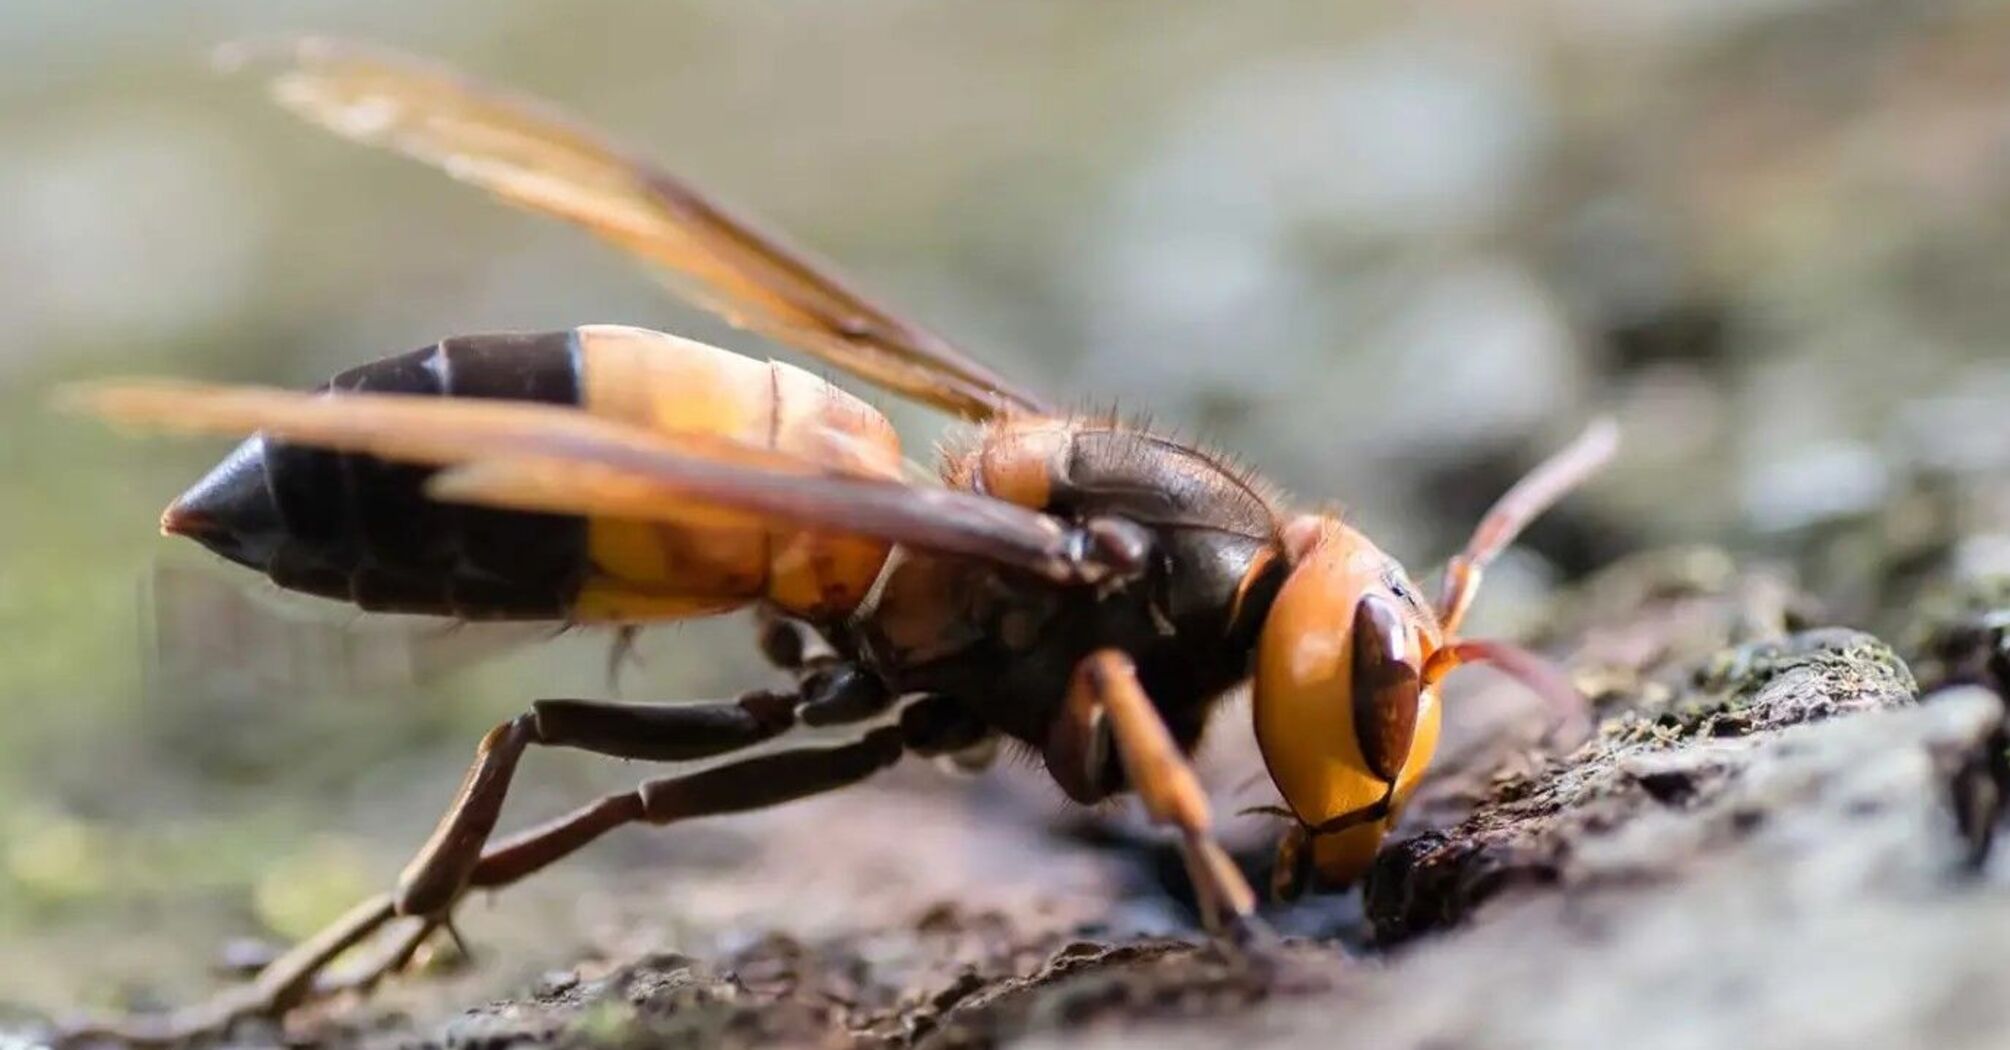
1387,253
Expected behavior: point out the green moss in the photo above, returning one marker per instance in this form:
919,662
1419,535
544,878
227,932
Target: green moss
1727,694
610,1023
52,859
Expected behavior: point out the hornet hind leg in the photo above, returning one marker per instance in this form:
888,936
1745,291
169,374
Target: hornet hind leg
459,857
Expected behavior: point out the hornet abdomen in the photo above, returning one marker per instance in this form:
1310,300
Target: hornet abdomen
361,530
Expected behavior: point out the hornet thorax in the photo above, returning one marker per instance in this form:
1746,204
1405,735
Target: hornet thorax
1005,644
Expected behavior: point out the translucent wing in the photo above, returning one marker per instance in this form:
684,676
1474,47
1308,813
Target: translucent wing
532,157
532,456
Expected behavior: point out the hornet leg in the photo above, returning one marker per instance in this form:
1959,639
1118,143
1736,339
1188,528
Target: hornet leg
651,732
455,859
835,690
754,783
1105,692
928,726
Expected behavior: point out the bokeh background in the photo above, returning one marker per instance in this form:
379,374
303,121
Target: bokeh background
1387,253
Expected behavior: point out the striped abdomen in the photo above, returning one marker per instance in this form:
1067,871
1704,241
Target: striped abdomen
358,529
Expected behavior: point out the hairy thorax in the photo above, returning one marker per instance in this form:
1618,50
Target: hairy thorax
1005,644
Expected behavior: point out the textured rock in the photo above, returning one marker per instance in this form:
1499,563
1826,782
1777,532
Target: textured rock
1646,790
1812,888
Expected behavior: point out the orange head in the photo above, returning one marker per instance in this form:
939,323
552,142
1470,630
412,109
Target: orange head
1344,713
1348,662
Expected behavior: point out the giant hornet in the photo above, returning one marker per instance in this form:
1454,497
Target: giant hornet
1084,587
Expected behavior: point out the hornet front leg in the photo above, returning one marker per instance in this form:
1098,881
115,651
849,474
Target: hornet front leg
1107,709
